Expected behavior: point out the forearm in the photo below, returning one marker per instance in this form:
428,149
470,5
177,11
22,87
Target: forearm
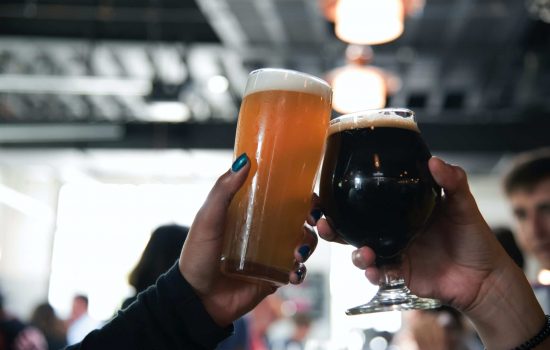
168,315
507,313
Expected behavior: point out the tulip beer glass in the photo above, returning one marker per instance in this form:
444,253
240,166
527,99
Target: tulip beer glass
377,190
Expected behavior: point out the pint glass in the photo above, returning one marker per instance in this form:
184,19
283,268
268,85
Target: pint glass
282,127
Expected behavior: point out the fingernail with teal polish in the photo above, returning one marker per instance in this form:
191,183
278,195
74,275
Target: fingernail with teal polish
316,214
239,163
304,251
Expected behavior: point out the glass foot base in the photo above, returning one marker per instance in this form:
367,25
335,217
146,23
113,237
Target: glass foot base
395,299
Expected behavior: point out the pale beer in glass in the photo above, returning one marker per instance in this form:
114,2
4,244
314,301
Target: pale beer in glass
282,127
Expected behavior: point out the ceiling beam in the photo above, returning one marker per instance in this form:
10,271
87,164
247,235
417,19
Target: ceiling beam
272,21
441,137
68,12
224,23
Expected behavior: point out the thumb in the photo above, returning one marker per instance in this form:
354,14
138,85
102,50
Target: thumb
452,178
213,212
454,182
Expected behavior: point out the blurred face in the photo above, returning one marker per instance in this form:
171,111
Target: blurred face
79,308
532,213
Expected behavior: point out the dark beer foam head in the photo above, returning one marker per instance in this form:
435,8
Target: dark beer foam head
389,118
283,79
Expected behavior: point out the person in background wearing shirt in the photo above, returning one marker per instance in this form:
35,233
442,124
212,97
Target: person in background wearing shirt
80,322
527,186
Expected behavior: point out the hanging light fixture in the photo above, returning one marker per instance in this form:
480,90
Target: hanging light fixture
369,22
357,85
328,9
357,88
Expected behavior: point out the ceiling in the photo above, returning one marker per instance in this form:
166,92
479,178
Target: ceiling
477,72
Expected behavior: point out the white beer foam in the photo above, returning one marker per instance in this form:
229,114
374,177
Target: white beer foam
283,79
376,118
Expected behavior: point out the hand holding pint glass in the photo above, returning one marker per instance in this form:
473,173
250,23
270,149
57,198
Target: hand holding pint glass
376,190
282,127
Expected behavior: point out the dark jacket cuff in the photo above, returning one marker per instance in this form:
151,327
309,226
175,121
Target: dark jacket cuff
188,308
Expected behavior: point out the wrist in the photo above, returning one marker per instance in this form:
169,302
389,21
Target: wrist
506,312
214,309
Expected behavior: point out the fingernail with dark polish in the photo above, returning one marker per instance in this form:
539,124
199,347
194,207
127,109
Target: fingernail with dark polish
304,251
316,214
300,274
239,163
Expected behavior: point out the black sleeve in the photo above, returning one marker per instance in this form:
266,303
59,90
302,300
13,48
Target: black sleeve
168,315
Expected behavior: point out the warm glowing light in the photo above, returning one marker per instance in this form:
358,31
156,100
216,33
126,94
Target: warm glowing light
544,277
357,88
369,22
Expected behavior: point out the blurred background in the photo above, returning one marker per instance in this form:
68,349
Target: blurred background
117,116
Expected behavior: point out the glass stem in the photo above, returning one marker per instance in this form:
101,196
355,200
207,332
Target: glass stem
391,276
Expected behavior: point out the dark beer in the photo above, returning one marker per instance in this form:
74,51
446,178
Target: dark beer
376,187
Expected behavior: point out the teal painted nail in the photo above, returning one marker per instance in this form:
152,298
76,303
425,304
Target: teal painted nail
304,251
316,214
239,163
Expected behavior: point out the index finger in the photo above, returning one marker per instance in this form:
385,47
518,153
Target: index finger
327,233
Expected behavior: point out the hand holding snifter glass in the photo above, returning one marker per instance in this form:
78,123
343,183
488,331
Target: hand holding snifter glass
376,190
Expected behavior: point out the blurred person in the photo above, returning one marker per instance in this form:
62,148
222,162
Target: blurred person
302,326
251,331
527,186
80,323
267,312
457,259
16,335
239,339
438,329
53,328
506,238
161,253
